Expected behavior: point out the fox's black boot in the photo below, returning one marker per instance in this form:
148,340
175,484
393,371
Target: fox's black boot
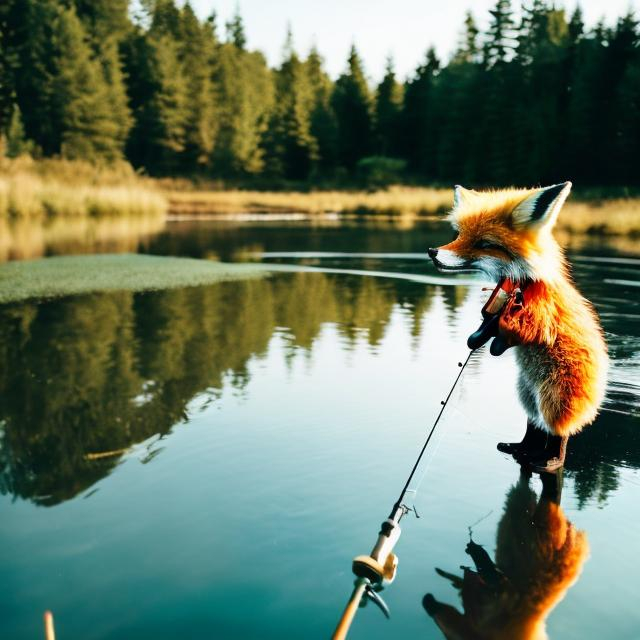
552,458
533,443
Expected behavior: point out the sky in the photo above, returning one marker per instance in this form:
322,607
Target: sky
403,28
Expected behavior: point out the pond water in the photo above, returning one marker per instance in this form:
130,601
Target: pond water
205,462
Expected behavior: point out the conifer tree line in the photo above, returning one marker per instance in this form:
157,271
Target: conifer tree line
535,98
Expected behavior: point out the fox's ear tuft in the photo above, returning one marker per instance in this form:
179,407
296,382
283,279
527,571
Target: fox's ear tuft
457,196
542,207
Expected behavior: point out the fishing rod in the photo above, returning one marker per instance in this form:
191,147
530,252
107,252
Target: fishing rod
378,569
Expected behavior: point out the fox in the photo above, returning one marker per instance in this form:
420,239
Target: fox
539,556
559,343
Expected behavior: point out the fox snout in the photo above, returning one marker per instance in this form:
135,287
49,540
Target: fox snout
447,260
433,254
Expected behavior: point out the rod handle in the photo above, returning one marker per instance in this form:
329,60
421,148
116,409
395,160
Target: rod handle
350,610
49,631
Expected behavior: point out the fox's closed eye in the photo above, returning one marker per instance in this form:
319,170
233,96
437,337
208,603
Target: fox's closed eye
487,244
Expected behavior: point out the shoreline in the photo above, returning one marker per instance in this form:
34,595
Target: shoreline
405,205
47,191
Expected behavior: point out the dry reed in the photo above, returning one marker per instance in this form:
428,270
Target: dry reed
603,217
395,201
59,188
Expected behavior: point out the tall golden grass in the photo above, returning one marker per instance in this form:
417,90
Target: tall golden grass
619,216
395,201
56,188
61,188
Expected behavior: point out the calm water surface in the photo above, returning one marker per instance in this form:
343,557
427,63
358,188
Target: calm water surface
205,462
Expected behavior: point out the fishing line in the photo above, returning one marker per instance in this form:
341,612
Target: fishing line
444,403
477,522
427,465
434,453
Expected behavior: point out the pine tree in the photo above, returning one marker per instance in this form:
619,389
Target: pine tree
235,31
103,19
7,67
16,140
197,52
168,105
626,116
117,98
107,23
532,32
456,153
417,128
542,94
81,97
324,125
576,26
454,105
352,104
492,154
575,35
61,88
583,111
501,37
28,47
166,19
244,99
291,147
158,96
388,108
619,127
468,49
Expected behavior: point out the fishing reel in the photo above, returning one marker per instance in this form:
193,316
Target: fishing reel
491,312
380,566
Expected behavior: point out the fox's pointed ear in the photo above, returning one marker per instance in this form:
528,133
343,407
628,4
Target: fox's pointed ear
460,195
542,207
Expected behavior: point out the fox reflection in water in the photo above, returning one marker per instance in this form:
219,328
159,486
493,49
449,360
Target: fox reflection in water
539,555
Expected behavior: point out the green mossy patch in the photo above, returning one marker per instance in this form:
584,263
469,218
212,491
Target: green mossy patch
71,275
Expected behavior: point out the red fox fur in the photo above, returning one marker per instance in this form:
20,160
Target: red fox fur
539,555
561,352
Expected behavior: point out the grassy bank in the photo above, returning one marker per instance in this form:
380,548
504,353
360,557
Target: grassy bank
48,190
395,201
58,188
581,215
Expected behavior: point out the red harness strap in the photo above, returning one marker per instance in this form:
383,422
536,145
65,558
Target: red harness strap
499,297
506,297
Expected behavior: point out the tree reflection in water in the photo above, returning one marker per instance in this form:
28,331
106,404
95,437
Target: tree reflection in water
99,373
91,375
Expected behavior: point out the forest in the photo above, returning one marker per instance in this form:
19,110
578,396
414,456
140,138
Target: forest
536,98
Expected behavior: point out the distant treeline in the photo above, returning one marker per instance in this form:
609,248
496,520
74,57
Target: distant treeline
537,98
